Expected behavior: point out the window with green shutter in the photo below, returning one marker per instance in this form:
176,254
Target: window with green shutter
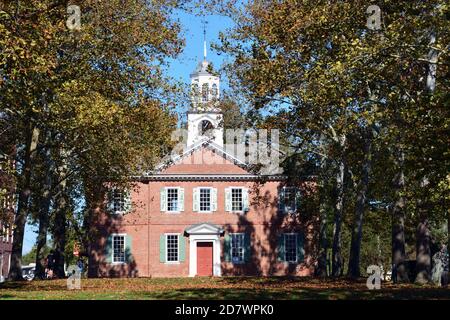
291,248
289,198
238,247
119,247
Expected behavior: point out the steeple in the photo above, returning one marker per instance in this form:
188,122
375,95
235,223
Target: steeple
204,39
204,83
204,116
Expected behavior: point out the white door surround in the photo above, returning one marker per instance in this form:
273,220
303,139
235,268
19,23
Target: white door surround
204,232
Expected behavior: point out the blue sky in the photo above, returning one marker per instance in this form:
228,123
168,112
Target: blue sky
192,31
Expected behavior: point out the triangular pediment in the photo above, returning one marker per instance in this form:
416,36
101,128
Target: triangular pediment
204,228
203,157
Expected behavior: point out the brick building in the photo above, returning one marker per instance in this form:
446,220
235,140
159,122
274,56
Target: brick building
204,212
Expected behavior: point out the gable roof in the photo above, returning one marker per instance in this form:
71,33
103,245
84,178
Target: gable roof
200,172
206,143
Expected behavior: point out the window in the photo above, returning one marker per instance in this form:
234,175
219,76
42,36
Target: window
290,244
118,200
172,199
205,92
118,249
236,199
288,199
214,91
172,247
205,199
237,247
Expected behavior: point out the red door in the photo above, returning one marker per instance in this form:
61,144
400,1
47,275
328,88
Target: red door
204,258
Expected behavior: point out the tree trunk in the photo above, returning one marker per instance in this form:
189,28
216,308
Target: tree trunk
448,242
355,248
423,252
94,195
61,209
337,269
22,205
41,241
323,241
399,270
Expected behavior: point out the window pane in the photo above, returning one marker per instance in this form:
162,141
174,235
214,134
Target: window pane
289,199
236,199
172,247
118,200
290,242
205,199
172,199
237,247
119,249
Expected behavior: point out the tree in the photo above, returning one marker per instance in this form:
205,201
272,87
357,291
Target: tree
96,90
381,86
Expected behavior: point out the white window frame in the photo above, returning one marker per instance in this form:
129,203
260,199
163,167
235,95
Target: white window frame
167,200
295,191
124,235
118,212
243,247
242,199
200,197
285,247
167,248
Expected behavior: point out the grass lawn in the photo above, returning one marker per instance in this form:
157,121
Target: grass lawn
216,288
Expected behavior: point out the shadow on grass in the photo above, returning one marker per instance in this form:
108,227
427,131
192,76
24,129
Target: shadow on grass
296,294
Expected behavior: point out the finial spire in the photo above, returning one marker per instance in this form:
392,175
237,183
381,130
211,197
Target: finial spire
204,22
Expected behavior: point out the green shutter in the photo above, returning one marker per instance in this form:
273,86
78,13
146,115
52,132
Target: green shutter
196,200
109,201
162,248
227,248
281,200
228,199
128,249
281,248
300,247
298,199
182,247
213,199
180,199
108,250
247,247
245,202
163,201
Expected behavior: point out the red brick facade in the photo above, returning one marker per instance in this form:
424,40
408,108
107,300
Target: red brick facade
263,222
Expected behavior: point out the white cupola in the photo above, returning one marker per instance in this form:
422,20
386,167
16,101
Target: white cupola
204,117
